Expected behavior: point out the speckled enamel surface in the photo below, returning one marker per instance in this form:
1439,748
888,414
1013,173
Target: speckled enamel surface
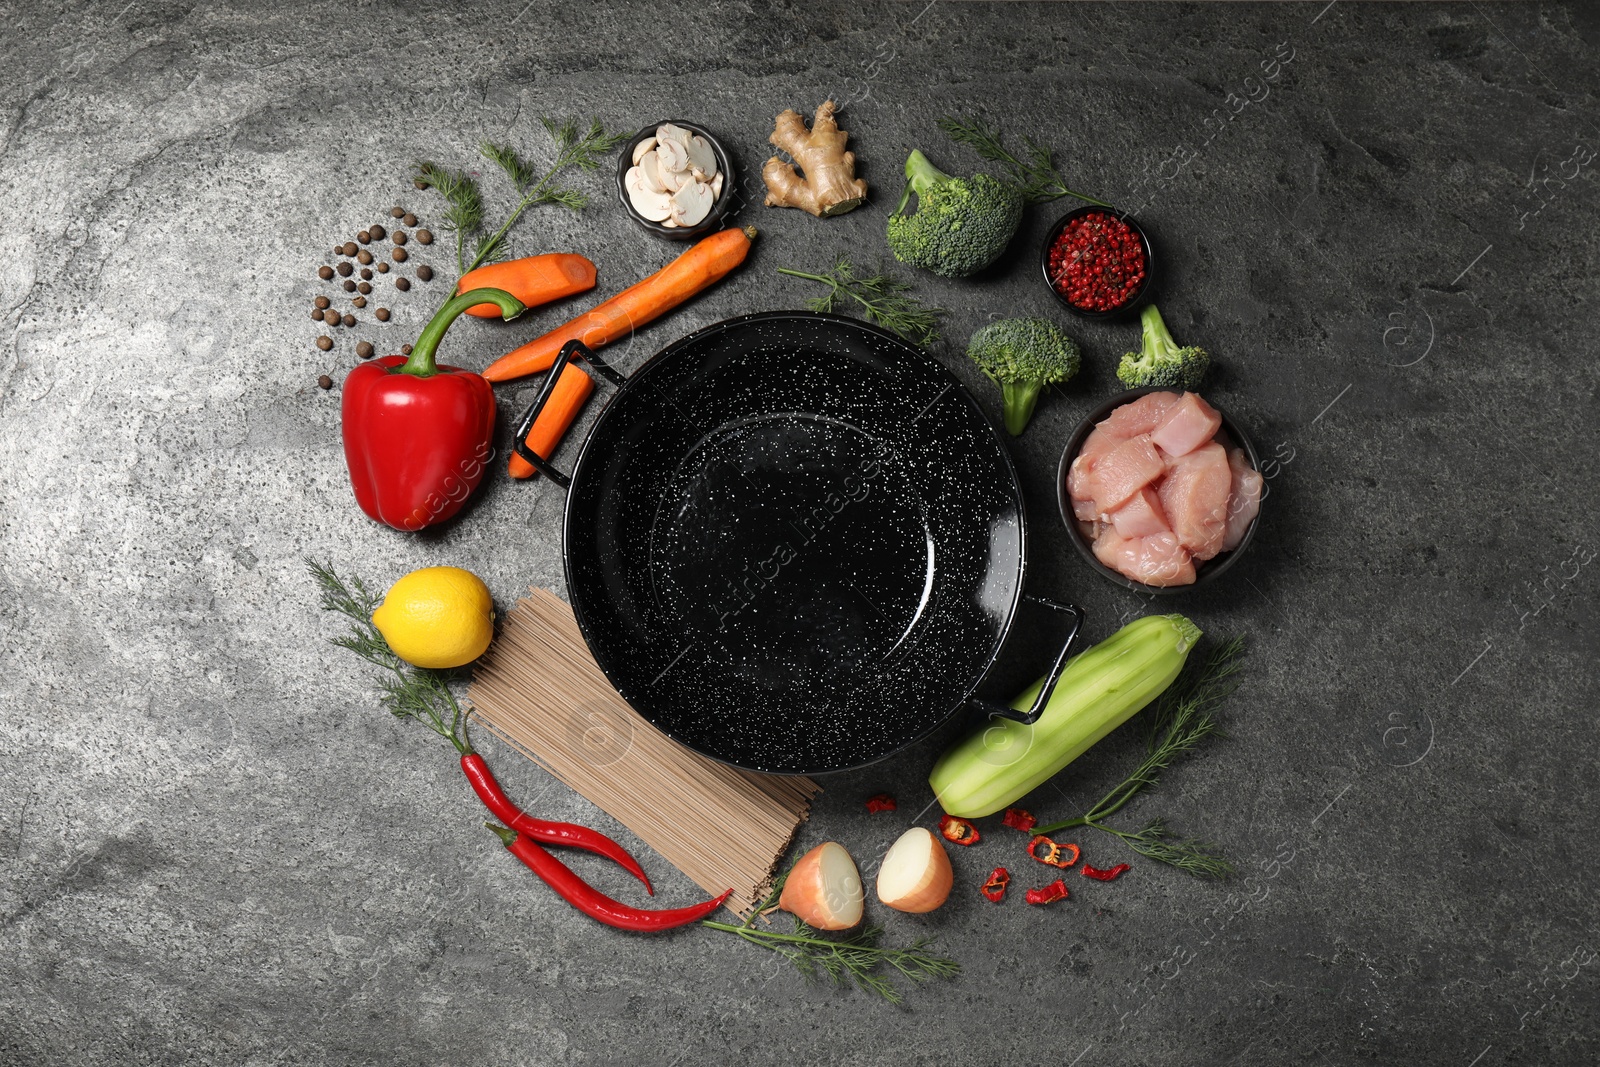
794,543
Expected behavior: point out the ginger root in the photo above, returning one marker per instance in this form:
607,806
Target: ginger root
830,185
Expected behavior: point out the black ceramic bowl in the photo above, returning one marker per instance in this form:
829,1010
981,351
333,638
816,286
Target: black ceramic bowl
713,220
1139,294
1205,572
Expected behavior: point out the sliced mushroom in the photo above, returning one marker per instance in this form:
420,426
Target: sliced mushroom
669,224
652,204
652,174
668,132
672,156
692,203
702,160
641,148
716,187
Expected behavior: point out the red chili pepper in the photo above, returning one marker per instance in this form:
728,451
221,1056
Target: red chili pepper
417,434
1018,819
881,802
961,831
1049,894
555,833
995,887
1107,875
589,900
1053,853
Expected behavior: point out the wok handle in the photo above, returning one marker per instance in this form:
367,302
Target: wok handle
1032,714
519,439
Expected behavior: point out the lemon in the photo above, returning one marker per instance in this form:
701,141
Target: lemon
437,617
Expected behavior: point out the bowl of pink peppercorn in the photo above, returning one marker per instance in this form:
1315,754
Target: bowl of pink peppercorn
1097,261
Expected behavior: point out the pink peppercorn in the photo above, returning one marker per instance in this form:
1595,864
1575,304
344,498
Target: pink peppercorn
1097,262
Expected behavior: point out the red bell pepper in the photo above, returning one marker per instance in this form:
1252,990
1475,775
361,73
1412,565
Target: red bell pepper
418,434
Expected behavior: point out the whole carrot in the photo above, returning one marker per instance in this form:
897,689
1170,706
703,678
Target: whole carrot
534,280
702,266
570,394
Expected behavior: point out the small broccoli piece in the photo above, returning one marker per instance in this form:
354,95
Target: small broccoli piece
961,225
1023,356
1162,362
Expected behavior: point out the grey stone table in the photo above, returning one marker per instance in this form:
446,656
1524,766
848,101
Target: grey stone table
215,847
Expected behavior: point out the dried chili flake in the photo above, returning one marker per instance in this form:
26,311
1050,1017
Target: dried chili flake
1055,855
881,803
961,831
1106,875
995,887
1048,894
1018,819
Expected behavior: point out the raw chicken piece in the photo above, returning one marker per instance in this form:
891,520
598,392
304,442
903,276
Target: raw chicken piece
1077,489
1186,426
1137,416
1155,560
1244,501
1124,471
1194,497
1130,420
1141,516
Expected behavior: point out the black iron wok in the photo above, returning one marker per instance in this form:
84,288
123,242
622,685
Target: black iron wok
793,542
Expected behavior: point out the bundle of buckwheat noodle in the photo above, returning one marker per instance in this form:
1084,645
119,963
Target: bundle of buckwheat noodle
540,690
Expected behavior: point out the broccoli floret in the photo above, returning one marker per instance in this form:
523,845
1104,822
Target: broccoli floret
1023,356
1162,362
961,224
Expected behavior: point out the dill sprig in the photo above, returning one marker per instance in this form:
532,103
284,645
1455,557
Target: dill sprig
408,692
1036,176
575,149
881,296
857,958
1183,717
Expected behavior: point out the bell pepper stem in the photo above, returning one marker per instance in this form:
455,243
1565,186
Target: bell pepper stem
422,362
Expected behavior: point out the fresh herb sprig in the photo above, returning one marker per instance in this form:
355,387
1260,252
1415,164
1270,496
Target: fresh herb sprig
408,692
857,958
575,148
881,296
1036,175
1183,717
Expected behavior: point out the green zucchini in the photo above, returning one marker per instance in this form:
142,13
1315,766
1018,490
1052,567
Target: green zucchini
1100,689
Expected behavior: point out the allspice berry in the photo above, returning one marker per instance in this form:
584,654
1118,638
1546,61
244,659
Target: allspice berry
399,237
425,273
324,342
349,249
349,285
364,288
378,233
325,382
366,274
397,212
401,284
364,237
383,268
399,255
364,257
405,350
349,319
383,314
345,269
330,316
316,314
322,301
364,349
409,219
425,236
360,301
325,272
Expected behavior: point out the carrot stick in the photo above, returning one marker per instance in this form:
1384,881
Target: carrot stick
534,280
551,426
702,266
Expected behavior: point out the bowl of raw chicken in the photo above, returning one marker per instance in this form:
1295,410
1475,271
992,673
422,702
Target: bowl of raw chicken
1160,490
